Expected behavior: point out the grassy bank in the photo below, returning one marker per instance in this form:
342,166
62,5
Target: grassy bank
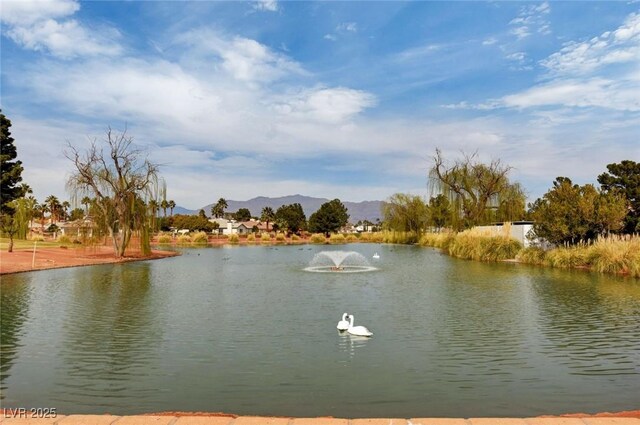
474,245
612,254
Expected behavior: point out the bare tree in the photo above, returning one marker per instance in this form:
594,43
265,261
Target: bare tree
120,178
475,188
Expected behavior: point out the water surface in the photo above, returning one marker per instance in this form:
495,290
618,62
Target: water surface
246,330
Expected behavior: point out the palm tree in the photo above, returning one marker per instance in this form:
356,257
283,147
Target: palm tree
267,215
218,209
86,201
172,205
65,206
164,205
53,204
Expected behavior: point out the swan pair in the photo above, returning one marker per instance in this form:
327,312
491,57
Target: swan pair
346,324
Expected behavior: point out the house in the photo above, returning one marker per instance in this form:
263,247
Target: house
82,228
521,231
232,227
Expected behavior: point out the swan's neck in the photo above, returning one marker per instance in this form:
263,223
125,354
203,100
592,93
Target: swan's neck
351,321
344,317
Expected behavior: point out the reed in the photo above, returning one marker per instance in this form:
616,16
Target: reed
407,238
337,238
200,238
317,238
265,237
615,254
568,257
532,255
234,238
184,239
164,239
352,238
280,237
475,244
295,237
64,240
251,237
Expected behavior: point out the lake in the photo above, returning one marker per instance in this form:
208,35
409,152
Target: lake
247,330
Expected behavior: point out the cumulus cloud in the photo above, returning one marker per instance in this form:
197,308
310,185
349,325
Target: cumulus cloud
41,26
621,46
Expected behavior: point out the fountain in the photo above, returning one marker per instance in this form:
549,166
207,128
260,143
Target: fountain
339,261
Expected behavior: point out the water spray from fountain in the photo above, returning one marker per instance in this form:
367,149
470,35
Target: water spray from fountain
339,261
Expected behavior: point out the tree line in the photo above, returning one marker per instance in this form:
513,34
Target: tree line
467,192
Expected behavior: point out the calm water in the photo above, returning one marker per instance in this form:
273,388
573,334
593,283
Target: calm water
246,330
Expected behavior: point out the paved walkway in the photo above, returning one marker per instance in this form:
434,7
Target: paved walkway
257,420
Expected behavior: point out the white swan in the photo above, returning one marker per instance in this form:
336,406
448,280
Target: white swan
343,325
376,256
357,330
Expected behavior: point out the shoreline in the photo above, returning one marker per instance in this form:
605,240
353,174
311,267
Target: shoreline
25,416
22,260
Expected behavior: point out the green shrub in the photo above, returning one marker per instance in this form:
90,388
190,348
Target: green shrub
200,237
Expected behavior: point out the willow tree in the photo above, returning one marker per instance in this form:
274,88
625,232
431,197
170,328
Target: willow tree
405,213
121,179
479,193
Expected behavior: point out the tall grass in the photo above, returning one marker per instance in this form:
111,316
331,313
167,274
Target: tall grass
407,238
184,239
616,254
611,254
265,237
251,237
474,244
164,238
200,238
234,238
280,237
317,238
352,238
337,238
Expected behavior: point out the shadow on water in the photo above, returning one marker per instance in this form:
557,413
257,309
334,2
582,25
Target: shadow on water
14,299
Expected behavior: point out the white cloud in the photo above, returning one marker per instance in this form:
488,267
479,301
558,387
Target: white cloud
330,37
490,41
530,19
612,47
266,5
347,27
331,105
26,12
243,58
37,25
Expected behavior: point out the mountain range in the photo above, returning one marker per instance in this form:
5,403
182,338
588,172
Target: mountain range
366,210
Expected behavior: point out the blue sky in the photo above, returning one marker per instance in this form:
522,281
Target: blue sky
328,99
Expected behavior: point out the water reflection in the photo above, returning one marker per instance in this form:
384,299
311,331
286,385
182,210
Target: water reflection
112,334
589,322
14,301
